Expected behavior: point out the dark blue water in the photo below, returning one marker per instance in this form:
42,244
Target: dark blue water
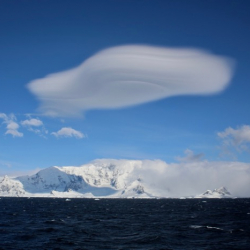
124,224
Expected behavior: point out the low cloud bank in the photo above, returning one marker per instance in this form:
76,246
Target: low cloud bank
129,75
191,178
197,177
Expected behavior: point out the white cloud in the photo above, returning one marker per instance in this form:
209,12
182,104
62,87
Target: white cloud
32,125
238,138
68,132
11,125
32,122
129,75
14,133
191,178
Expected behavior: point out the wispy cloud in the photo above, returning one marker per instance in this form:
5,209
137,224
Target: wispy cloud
190,156
129,75
36,126
11,125
3,116
68,132
5,164
238,139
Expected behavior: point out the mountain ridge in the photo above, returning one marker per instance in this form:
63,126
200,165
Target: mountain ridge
101,178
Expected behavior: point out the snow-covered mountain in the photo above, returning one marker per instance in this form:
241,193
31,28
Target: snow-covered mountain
221,192
100,178
11,187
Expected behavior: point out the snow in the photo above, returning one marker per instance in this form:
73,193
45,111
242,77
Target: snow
99,179
221,192
11,187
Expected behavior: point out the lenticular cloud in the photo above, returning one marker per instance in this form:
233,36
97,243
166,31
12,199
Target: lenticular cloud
129,75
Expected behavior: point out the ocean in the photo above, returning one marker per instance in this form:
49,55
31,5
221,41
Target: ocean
47,223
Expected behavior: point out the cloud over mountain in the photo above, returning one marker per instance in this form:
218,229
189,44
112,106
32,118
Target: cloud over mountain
129,75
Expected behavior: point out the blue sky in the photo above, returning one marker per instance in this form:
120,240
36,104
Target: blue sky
39,38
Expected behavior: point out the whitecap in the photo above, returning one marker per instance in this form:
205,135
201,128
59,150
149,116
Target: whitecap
195,226
214,228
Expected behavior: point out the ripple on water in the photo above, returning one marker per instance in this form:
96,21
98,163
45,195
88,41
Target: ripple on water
124,224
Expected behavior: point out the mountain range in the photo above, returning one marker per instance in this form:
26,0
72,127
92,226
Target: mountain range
100,178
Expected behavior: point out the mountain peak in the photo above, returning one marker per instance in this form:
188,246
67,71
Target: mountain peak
221,192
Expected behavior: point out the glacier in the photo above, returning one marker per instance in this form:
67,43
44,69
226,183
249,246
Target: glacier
105,178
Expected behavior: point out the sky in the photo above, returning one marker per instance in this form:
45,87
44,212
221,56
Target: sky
86,80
